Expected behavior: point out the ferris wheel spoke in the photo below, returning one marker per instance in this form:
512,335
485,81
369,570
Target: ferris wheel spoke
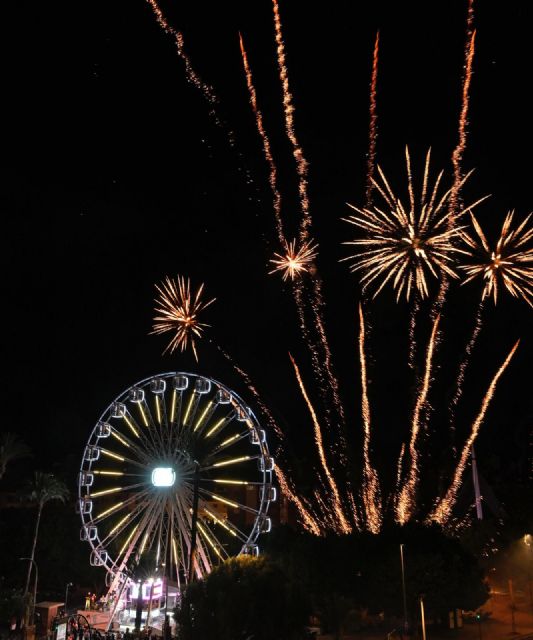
212,540
105,492
229,462
219,425
230,441
123,504
232,529
123,523
139,431
230,503
129,444
116,456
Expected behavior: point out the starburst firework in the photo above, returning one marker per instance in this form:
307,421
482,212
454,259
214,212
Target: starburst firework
178,310
295,260
509,264
405,244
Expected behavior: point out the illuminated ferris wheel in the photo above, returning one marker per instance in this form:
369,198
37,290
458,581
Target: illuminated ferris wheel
177,470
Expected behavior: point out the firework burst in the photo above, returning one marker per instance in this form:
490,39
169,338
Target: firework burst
177,310
404,245
509,264
295,260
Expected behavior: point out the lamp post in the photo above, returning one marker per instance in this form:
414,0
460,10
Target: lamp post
69,584
34,587
528,543
403,589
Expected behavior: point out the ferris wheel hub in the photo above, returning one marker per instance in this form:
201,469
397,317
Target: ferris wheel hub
163,477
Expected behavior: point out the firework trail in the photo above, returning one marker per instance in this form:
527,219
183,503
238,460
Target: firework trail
371,489
206,90
444,506
273,177
399,468
288,108
457,155
309,523
478,323
405,504
372,129
509,265
344,525
413,314
307,520
178,311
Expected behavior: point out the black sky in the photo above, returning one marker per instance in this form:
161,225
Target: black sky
115,176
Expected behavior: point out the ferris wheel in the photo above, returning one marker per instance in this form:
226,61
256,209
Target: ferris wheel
177,470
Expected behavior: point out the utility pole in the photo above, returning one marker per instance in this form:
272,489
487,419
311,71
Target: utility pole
475,480
403,590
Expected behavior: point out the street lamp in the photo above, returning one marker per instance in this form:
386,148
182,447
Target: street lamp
34,586
529,544
403,589
69,584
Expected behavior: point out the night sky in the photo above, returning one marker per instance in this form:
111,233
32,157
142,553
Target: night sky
115,175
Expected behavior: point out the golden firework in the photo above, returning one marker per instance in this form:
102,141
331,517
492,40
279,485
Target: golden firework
509,264
403,245
295,260
177,310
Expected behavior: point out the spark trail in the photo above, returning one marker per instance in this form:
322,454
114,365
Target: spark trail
373,121
443,509
405,504
288,109
458,152
267,151
307,519
206,90
338,509
371,490
478,323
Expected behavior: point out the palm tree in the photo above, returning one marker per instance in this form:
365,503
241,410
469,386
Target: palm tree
11,448
43,488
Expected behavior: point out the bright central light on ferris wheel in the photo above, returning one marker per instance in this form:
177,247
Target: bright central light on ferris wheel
163,477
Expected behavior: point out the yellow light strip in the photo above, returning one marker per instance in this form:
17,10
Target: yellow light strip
222,444
221,499
189,406
143,414
158,408
231,482
105,492
129,539
175,551
112,455
213,429
220,522
107,511
211,543
232,461
121,440
145,540
130,425
117,526
109,473
173,406
204,413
